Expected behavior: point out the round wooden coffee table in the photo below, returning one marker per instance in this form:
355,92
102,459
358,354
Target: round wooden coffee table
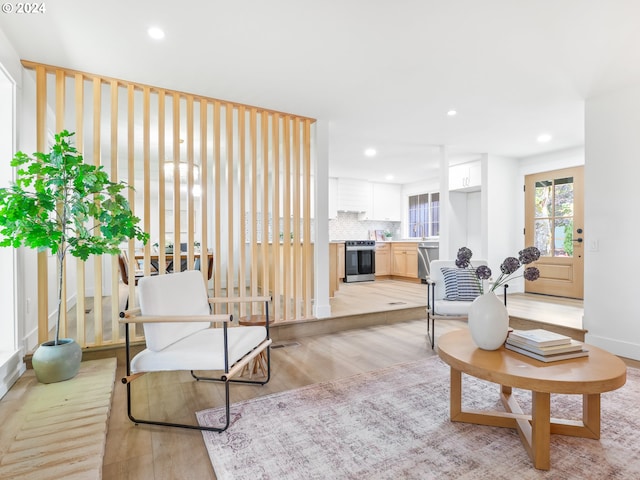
587,376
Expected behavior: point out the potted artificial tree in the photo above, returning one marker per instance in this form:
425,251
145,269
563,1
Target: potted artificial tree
60,203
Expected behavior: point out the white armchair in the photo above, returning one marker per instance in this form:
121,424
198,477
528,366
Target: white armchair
175,313
450,292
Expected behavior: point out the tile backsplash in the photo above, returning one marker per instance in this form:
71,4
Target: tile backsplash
346,226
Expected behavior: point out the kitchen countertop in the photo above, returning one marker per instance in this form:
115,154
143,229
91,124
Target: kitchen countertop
403,240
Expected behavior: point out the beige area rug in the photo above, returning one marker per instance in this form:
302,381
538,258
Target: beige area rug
60,430
394,424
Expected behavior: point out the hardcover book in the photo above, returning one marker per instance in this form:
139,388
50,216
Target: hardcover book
573,346
547,358
540,337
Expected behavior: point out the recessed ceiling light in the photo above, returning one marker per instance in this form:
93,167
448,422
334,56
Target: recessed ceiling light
452,113
156,33
370,152
544,138
389,177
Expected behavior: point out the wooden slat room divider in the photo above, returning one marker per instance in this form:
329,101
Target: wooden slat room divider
212,178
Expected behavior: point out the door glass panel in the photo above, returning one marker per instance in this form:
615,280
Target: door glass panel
543,199
563,193
563,237
543,236
554,217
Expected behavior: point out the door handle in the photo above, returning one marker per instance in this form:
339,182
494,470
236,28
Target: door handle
579,240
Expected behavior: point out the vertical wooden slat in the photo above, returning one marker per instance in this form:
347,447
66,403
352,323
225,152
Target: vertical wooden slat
204,204
162,162
297,249
176,183
217,184
275,215
60,99
191,225
242,180
264,132
97,259
60,112
258,182
146,174
80,269
131,180
254,201
230,203
41,134
308,252
286,213
115,284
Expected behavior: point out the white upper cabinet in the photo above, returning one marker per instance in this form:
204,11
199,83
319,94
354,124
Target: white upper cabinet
354,195
387,202
373,201
466,177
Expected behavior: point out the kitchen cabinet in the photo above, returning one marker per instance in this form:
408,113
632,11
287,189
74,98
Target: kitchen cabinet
383,259
354,195
466,177
336,266
404,259
386,202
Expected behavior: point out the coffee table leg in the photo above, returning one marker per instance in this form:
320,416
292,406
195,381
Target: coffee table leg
455,396
541,430
591,414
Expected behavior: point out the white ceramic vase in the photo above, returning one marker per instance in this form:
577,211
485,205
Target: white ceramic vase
488,321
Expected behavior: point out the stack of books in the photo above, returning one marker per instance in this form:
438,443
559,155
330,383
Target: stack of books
544,345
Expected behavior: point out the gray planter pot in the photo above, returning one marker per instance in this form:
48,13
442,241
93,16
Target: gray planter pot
56,363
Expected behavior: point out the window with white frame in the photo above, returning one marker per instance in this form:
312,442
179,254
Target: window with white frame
424,215
8,325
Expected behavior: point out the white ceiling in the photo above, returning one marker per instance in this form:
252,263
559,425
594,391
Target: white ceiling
383,74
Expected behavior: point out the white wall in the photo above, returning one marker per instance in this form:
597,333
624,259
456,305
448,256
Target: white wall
321,305
500,236
458,216
566,158
612,149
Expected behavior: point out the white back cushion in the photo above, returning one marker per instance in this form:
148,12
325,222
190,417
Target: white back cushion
169,295
435,274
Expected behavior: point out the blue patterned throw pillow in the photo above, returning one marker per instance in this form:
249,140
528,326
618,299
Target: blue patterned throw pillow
460,284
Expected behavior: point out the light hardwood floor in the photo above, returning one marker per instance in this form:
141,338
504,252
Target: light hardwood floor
159,453
144,452
147,452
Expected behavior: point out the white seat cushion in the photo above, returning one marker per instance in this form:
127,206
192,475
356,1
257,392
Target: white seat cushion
202,350
447,307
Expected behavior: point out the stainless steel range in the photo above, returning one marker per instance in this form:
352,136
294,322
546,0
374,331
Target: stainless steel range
360,260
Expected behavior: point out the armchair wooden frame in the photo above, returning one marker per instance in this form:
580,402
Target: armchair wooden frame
134,316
